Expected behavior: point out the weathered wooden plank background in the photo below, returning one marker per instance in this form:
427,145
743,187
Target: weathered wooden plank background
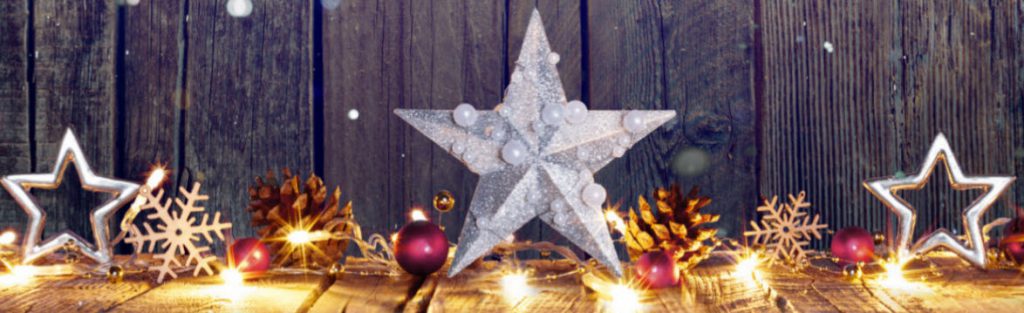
773,96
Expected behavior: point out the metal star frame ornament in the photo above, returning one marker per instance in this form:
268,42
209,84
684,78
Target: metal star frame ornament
20,185
536,155
974,249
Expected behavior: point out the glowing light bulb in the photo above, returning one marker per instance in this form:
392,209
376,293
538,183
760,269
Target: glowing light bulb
232,277
19,275
893,277
623,299
156,177
747,266
612,216
417,215
8,238
516,287
299,237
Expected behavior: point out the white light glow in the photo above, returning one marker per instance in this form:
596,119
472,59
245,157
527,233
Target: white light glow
8,238
239,8
516,287
623,299
417,215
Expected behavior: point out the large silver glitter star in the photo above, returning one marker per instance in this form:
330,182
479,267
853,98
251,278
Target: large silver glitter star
974,250
536,156
19,186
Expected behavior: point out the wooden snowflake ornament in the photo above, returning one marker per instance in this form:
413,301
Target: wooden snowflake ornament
785,231
176,233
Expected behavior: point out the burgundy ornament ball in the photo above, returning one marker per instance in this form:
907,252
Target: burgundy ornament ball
250,255
853,244
421,248
657,269
1014,250
1013,240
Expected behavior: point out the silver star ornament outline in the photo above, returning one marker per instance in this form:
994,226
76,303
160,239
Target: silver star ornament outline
20,185
973,250
536,155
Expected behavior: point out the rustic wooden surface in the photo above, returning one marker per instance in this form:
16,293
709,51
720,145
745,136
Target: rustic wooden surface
711,287
898,74
763,108
16,152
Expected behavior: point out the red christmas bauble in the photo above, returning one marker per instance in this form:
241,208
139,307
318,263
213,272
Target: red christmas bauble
853,244
1014,250
249,255
421,248
657,269
1013,240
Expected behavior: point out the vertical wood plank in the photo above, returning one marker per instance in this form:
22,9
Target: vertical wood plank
563,25
75,88
708,69
359,69
691,57
625,71
952,85
1007,43
379,56
153,42
15,148
249,108
831,118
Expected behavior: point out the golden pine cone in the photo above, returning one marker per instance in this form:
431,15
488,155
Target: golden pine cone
277,208
676,227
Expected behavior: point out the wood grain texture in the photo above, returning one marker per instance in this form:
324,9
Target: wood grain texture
249,108
74,75
58,294
152,69
948,46
276,293
358,293
479,287
15,147
384,55
896,75
692,57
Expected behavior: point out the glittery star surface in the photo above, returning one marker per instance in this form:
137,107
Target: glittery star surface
561,157
993,186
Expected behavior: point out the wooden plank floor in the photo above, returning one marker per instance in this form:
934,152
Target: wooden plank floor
712,287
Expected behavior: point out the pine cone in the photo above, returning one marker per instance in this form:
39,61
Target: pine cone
675,228
278,208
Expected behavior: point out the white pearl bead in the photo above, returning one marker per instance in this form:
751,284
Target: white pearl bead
553,58
458,147
594,195
465,115
633,121
576,112
538,126
534,196
553,114
557,205
561,218
514,152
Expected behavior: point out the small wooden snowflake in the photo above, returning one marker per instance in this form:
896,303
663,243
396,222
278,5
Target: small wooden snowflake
177,233
785,231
